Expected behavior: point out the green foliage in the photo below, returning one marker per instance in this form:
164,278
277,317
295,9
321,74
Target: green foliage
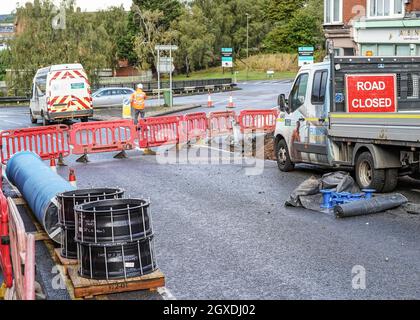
194,41
281,10
171,10
4,63
88,38
303,28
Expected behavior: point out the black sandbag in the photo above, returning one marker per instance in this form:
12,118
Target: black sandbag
374,205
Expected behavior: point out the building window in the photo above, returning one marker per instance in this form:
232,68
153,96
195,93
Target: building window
333,11
385,8
385,50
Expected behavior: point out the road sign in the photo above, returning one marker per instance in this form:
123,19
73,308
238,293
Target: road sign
166,65
306,56
166,47
227,57
371,93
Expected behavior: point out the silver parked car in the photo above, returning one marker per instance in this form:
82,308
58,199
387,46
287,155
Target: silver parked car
111,97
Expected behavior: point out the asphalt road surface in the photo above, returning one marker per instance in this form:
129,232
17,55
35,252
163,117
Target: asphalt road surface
254,95
222,233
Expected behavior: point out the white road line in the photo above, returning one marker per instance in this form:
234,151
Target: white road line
13,122
165,293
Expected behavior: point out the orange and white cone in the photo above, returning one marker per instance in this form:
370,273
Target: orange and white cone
72,178
209,102
53,166
231,104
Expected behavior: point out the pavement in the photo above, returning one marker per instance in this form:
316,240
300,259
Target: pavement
222,230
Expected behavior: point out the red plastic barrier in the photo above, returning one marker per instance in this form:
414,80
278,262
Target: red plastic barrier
23,255
5,263
258,120
195,126
47,142
102,136
155,132
221,123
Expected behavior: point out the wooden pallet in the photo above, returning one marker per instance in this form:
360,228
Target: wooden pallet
84,288
64,261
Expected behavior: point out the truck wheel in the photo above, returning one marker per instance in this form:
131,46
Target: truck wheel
284,162
33,119
367,176
391,180
84,119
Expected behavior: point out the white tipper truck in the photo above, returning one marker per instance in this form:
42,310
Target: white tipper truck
358,113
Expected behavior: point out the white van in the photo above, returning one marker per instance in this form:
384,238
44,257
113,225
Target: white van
61,92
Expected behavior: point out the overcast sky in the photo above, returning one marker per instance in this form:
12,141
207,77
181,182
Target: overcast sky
7,6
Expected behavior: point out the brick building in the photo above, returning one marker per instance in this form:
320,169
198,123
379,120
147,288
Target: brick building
373,27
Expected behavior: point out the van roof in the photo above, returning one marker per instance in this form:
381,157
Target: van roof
59,67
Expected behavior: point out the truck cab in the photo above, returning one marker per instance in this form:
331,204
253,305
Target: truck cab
302,127
357,113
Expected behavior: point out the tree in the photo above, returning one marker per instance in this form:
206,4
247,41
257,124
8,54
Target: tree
151,33
84,40
195,43
303,28
282,10
115,22
171,10
4,63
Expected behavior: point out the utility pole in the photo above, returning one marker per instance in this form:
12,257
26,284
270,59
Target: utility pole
247,44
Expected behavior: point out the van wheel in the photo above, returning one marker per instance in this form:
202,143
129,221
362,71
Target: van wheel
367,176
284,162
391,180
33,119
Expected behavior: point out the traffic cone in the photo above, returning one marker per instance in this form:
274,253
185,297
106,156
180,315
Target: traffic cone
53,166
231,104
72,178
209,102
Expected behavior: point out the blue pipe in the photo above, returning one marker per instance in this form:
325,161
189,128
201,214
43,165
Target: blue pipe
39,185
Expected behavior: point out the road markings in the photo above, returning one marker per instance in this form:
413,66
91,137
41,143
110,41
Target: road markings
165,293
14,122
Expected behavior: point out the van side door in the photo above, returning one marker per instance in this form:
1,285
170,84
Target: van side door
313,142
294,126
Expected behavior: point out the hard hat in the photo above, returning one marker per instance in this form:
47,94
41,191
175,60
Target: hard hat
140,86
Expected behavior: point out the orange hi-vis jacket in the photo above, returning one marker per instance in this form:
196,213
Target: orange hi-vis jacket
138,99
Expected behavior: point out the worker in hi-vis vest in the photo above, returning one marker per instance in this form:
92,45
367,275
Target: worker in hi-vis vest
137,101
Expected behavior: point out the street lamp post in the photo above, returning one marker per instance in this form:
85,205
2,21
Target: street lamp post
247,44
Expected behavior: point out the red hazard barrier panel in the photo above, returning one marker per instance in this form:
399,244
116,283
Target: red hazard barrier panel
5,263
23,256
155,132
258,120
195,126
102,136
221,123
47,142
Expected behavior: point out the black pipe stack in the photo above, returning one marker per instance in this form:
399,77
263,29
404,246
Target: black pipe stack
114,239
66,204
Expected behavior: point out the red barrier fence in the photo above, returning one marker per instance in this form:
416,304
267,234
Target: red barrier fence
102,136
258,120
221,123
5,263
23,256
47,142
195,126
155,132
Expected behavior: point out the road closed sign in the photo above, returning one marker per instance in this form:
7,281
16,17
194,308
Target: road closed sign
371,93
